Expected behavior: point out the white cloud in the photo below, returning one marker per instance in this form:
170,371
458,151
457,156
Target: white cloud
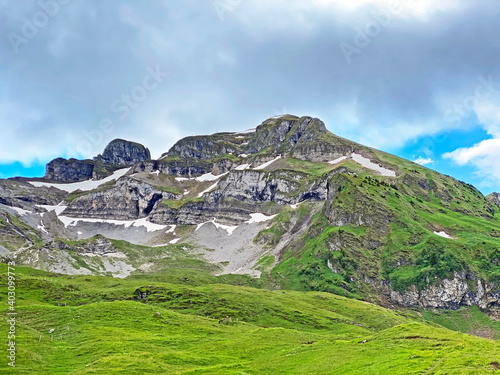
405,7
485,155
488,114
423,161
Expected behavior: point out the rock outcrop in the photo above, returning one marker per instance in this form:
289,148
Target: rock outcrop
186,167
494,198
128,200
303,138
72,170
209,146
463,290
120,152
117,154
19,193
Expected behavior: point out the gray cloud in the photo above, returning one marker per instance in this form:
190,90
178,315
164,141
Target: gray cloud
232,74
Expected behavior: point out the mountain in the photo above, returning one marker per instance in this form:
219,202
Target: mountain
288,203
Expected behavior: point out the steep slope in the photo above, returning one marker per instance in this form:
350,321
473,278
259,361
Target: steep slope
300,207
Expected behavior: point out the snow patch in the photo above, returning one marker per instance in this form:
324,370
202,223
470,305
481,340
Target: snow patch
368,164
242,167
444,234
228,228
243,155
181,179
209,189
247,131
172,229
42,227
83,185
262,166
20,211
259,218
210,177
57,209
150,227
338,160
174,241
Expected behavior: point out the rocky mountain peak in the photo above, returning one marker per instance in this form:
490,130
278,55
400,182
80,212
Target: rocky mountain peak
305,137
118,153
122,153
281,133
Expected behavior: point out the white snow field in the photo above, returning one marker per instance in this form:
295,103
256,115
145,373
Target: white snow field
83,185
338,160
262,166
211,187
258,218
365,162
242,167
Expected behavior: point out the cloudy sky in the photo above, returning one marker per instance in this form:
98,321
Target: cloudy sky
417,78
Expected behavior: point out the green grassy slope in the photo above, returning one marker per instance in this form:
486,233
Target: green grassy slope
100,327
382,228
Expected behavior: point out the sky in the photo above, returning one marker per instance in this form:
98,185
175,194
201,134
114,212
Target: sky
416,78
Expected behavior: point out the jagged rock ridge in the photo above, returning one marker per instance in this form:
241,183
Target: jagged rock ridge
118,153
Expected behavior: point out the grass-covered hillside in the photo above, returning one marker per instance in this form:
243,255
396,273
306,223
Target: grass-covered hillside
413,230
145,325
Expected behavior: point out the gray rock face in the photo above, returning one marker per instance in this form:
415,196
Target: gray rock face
303,138
283,187
18,193
274,131
451,294
72,170
494,198
120,152
209,146
300,137
185,168
128,200
241,193
98,246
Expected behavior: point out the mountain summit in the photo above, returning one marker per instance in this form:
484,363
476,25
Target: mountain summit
118,153
287,202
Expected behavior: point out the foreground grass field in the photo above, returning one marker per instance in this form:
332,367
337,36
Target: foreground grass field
100,326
